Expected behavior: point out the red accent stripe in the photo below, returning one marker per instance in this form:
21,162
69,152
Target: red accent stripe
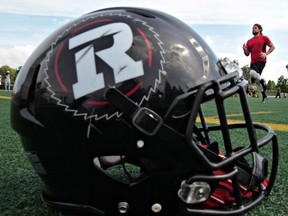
64,88
97,103
101,103
132,91
91,23
148,46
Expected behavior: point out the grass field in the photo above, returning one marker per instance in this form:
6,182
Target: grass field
20,187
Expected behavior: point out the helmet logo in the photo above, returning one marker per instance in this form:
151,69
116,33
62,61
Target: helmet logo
123,66
99,52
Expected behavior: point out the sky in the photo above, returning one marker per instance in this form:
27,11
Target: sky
225,25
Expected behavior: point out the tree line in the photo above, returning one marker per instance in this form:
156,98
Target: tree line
13,73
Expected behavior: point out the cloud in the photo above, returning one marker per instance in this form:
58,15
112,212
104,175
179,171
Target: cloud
273,14
273,70
203,11
209,40
15,56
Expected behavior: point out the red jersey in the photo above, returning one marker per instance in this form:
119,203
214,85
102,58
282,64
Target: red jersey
256,45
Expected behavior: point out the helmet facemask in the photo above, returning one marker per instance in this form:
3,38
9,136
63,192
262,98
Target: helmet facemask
241,165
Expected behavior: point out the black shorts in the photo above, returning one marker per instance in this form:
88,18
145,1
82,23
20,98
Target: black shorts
258,66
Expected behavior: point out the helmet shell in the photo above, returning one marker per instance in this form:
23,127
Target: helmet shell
64,120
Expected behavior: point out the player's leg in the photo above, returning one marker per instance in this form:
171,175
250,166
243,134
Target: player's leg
255,73
256,77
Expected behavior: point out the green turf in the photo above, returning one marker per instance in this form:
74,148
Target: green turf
20,187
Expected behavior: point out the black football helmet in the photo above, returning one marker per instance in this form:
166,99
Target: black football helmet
110,111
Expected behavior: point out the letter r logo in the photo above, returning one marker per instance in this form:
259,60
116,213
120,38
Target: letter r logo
123,66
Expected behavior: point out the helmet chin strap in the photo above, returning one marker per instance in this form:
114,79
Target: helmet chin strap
252,177
259,172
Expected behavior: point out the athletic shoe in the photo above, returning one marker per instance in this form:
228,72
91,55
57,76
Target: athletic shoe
264,99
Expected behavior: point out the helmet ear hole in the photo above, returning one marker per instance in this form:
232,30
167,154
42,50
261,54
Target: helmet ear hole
106,161
118,168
